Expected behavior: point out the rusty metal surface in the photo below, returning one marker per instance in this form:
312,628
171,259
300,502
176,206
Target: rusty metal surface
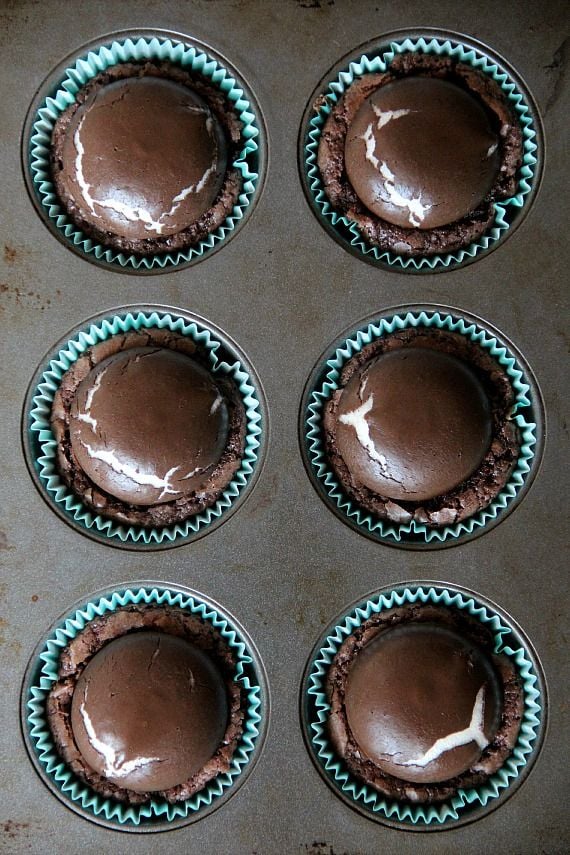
284,565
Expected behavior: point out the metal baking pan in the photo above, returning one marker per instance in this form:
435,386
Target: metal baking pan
283,289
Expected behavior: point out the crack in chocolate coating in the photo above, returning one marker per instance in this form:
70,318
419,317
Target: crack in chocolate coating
162,513
146,453
491,758
413,457
228,195
415,241
485,483
80,650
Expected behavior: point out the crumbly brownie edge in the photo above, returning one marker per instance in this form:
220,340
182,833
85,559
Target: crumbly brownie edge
103,503
87,643
492,757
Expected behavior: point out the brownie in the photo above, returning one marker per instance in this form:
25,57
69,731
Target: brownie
421,705
417,156
420,427
142,160
146,434
146,704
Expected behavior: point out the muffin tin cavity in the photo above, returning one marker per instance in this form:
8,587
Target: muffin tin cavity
158,814
527,413
224,360
59,90
375,57
467,804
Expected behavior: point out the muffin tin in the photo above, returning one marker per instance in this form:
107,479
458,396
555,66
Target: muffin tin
283,563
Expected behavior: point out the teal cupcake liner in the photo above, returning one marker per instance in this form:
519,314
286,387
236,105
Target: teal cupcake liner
314,447
466,801
97,59
156,814
378,59
44,444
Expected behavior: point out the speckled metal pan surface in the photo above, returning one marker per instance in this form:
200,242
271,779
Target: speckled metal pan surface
283,288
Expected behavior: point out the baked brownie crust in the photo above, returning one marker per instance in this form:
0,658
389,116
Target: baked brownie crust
414,241
166,513
479,490
87,643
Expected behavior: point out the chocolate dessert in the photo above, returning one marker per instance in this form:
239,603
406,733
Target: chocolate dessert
146,433
185,711
142,159
146,705
419,428
420,703
417,156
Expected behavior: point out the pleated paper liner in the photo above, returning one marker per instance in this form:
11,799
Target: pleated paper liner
467,804
158,814
40,445
376,56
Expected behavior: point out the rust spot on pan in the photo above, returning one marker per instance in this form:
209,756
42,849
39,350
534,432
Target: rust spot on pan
10,254
4,541
320,848
21,297
13,829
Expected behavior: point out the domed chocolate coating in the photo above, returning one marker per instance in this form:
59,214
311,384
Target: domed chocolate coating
422,702
413,423
143,157
149,711
148,425
421,153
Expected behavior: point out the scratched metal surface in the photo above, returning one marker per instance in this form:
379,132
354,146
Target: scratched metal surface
283,564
